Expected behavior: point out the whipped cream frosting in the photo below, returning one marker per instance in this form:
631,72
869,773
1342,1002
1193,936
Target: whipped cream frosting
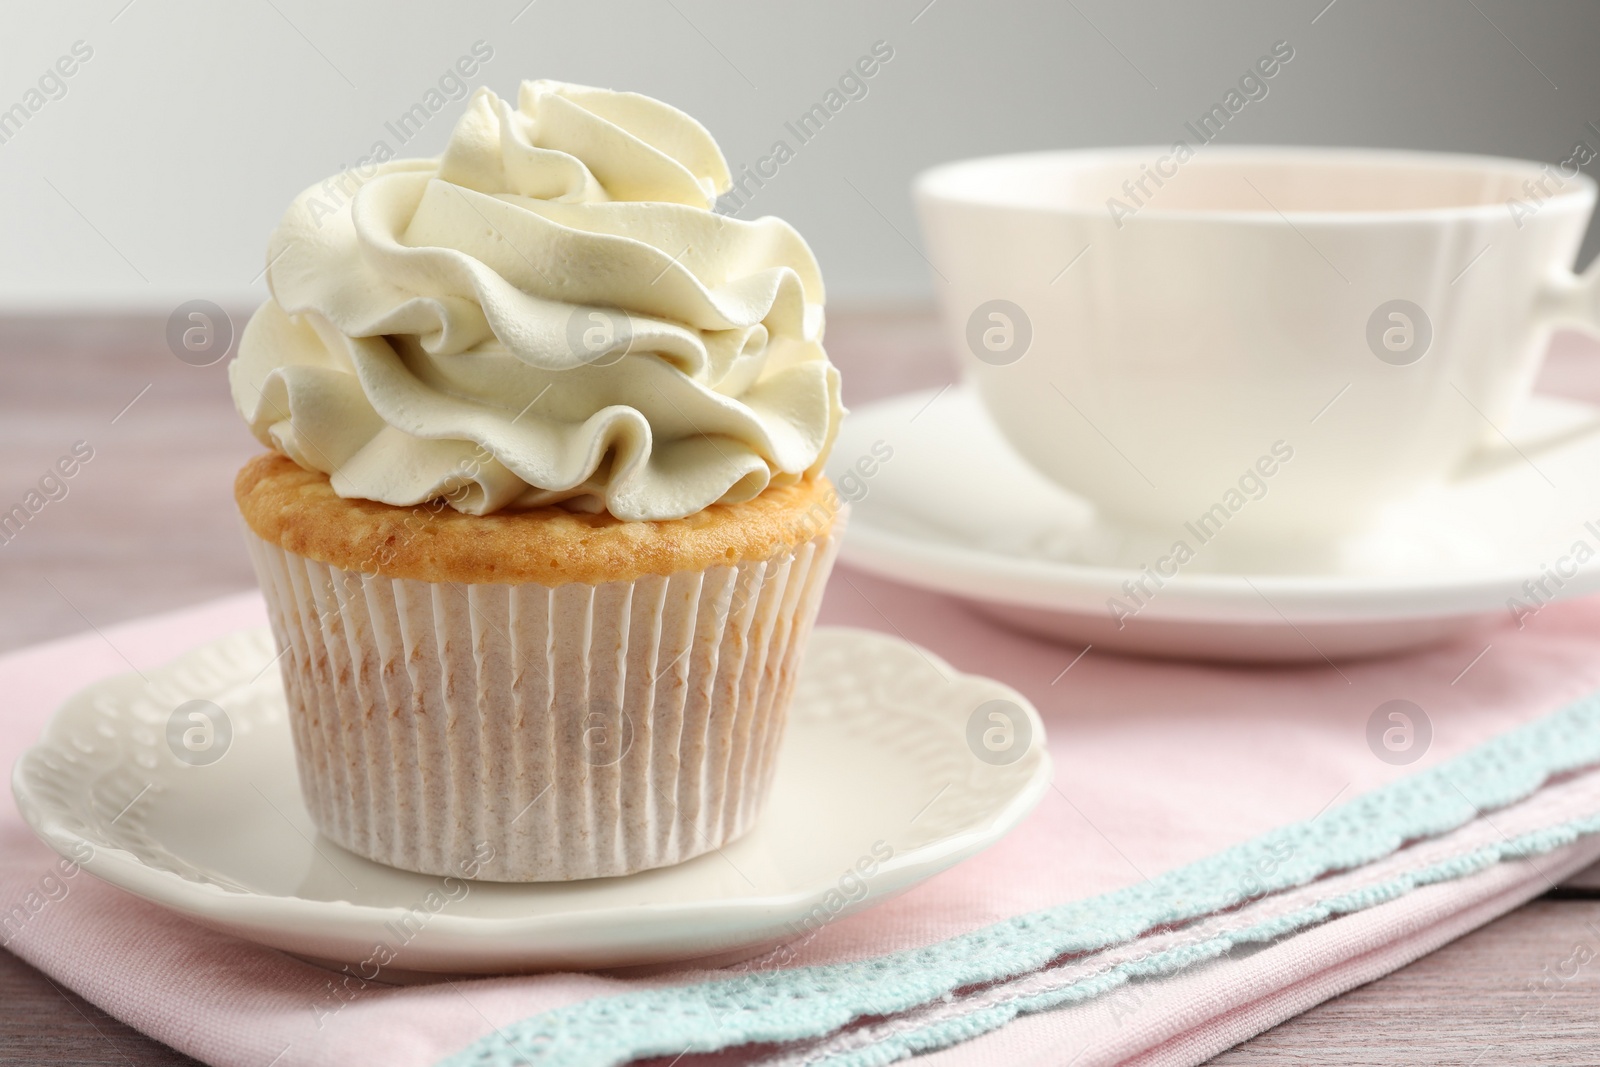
549,312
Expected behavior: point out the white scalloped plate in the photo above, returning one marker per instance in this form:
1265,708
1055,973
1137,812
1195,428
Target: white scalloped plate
876,772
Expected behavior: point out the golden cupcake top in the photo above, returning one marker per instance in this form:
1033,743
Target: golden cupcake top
548,313
298,510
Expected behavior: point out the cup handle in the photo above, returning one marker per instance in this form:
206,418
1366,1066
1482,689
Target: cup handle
1572,300
1568,300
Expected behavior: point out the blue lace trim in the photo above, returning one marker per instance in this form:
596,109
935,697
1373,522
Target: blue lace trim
810,1002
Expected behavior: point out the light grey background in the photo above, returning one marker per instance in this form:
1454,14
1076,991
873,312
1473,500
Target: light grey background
160,173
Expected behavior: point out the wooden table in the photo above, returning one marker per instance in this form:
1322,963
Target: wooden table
148,525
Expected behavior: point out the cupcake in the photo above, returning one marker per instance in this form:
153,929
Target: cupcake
543,529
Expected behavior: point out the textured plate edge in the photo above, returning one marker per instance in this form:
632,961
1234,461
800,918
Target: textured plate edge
232,911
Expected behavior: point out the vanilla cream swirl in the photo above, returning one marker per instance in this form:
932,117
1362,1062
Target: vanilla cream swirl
549,312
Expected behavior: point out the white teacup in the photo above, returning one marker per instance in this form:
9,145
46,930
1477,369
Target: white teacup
1278,342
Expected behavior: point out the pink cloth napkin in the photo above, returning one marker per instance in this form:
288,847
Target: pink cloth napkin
1158,765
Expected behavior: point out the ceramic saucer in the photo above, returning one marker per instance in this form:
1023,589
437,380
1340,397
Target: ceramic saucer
878,788
955,509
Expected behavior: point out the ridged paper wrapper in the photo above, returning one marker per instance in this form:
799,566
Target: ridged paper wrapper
578,730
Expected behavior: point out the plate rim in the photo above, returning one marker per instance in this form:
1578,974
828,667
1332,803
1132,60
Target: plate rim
1078,589
233,909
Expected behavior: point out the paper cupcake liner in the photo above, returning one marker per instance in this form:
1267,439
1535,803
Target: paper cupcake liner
574,731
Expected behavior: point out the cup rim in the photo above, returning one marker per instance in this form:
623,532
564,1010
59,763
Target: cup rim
938,184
